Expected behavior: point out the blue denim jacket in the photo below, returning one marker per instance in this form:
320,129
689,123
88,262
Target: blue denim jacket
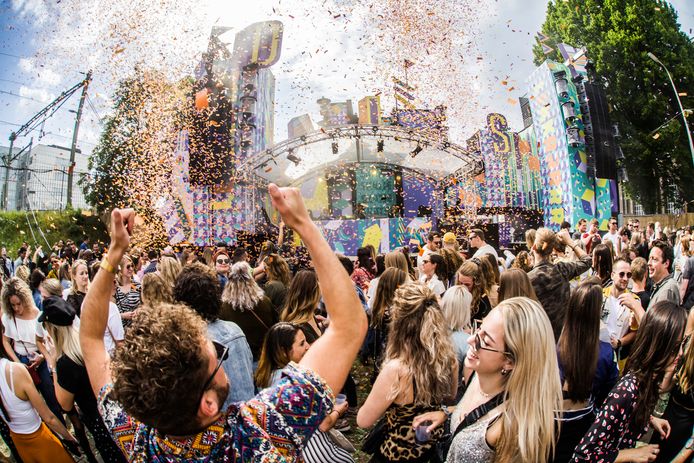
239,365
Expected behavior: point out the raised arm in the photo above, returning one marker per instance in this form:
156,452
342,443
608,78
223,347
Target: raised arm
95,306
331,356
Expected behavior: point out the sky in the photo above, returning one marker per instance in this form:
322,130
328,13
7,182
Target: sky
473,56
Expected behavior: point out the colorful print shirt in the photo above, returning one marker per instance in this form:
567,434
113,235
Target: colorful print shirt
271,427
613,429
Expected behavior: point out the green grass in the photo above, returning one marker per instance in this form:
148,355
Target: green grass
17,227
361,375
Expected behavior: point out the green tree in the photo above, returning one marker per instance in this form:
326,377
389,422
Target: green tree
132,163
618,34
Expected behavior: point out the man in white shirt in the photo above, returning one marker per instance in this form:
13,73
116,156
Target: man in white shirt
613,236
476,239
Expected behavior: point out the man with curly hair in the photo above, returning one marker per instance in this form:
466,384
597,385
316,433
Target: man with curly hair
161,396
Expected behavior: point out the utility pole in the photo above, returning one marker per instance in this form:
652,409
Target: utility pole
8,161
71,166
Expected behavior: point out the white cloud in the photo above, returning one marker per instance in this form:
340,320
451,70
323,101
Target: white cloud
40,94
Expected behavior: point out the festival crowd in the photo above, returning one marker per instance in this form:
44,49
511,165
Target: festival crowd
575,349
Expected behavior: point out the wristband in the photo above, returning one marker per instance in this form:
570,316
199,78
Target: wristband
107,266
446,411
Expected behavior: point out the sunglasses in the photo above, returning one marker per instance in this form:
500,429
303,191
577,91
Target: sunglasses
425,261
222,354
479,346
623,274
222,261
437,242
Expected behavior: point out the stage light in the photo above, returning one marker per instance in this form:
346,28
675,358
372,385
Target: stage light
379,146
561,84
334,146
574,137
416,151
569,112
293,158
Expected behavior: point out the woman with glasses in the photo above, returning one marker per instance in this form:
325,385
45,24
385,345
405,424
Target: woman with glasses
626,413
433,270
418,374
127,293
513,390
587,366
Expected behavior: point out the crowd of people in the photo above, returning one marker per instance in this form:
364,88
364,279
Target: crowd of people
574,349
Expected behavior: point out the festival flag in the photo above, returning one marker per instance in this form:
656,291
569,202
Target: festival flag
546,49
408,63
541,37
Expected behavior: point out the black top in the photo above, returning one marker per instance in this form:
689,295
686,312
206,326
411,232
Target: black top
75,299
73,378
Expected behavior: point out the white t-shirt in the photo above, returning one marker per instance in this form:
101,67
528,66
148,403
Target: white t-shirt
371,292
24,331
114,328
614,238
434,284
486,249
618,318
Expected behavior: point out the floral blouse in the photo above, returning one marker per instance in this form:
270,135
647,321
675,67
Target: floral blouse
271,427
613,428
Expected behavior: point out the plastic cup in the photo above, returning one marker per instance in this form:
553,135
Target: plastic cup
340,399
421,433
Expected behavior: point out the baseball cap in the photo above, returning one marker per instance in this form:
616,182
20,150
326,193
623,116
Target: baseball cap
449,238
57,311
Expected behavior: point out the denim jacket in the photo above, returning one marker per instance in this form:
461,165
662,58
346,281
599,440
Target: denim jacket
239,365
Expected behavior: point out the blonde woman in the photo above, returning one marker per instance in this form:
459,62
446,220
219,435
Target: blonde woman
169,268
245,303
155,290
513,383
302,300
416,376
70,376
79,275
455,306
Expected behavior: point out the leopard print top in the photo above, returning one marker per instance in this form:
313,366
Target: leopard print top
399,444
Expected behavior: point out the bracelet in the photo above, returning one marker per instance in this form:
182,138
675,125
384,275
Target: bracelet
445,410
107,266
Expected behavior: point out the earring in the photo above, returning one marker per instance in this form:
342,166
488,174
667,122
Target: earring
504,371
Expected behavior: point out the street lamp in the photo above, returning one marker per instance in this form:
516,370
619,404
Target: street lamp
684,117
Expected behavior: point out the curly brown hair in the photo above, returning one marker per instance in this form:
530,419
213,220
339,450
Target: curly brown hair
161,367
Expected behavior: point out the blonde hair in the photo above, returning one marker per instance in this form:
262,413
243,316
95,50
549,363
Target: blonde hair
419,340
73,274
241,291
455,306
303,297
533,394
52,286
398,260
155,290
123,262
67,342
169,268
22,272
16,287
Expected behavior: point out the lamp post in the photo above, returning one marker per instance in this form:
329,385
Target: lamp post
684,117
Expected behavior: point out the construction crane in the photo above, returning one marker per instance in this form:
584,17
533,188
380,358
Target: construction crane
39,118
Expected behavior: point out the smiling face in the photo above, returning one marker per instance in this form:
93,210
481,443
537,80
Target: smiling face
657,265
82,278
620,275
490,357
221,264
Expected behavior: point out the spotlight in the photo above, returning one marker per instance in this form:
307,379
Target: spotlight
416,151
293,158
379,146
334,147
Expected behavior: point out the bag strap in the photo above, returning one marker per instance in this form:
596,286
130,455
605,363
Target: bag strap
259,319
18,338
478,413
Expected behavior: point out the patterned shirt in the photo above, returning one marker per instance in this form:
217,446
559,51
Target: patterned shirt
271,427
613,428
551,284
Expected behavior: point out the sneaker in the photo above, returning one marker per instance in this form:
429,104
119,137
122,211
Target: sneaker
342,425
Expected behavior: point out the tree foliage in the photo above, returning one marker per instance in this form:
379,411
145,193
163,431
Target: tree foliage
131,165
618,34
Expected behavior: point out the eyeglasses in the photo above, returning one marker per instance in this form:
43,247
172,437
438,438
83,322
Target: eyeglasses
623,274
478,346
222,354
437,243
425,261
222,261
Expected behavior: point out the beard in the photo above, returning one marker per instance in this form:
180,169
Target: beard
222,392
